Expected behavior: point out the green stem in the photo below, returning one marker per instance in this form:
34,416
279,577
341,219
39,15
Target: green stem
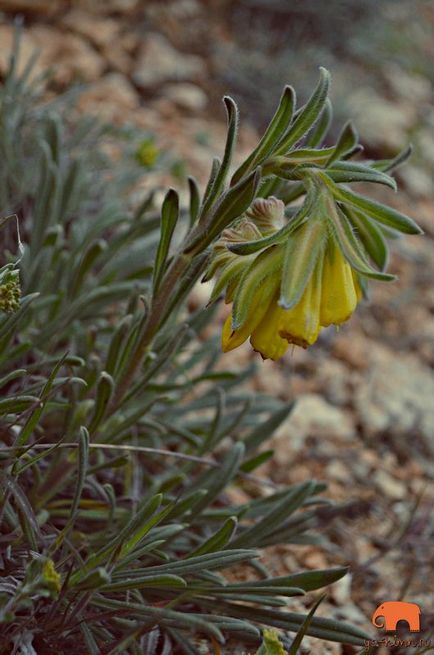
176,270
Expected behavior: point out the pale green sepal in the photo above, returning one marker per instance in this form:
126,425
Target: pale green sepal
259,272
231,271
301,254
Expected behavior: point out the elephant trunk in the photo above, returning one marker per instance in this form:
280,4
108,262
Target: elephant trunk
374,620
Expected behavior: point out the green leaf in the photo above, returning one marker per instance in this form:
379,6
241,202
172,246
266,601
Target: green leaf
138,535
98,578
346,171
265,429
219,540
321,127
379,212
36,415
169,218
371,237
386,165
273,133
350,245
346,143
165,580
103,394
254,462
215,167
321,628
18,404
232,204
308,116
90,255
301,255
218,183
83,465
293,499
194,204
304,628
216,481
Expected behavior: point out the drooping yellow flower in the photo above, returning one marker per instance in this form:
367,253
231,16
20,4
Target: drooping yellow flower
329,290
340,293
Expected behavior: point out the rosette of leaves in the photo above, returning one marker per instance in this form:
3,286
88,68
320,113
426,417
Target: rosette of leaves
120,438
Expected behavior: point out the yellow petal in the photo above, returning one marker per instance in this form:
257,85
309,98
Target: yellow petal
339,295
261,300
300,324
265,338
233,338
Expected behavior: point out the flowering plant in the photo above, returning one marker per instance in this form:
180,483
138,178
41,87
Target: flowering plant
118,439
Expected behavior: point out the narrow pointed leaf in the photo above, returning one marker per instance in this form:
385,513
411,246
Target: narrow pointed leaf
346,143
103,394
387,165
275,130
265,430
169,218
343,171
194,200
219,540
217,186
233,203
307,118
379,212
321,127
350,245
371,236
304,628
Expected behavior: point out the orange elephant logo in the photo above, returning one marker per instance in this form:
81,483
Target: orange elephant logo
395,611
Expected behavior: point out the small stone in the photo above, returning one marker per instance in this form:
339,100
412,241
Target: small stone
110,97
395,395
159,62
186,96
314,416
337,470
70,56
83,23
389,485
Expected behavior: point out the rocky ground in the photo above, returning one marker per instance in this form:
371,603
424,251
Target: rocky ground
364,417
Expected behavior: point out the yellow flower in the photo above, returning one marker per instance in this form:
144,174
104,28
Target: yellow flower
50,576
340,292
330,297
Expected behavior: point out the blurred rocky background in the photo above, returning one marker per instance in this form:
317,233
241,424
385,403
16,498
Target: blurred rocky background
364,413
